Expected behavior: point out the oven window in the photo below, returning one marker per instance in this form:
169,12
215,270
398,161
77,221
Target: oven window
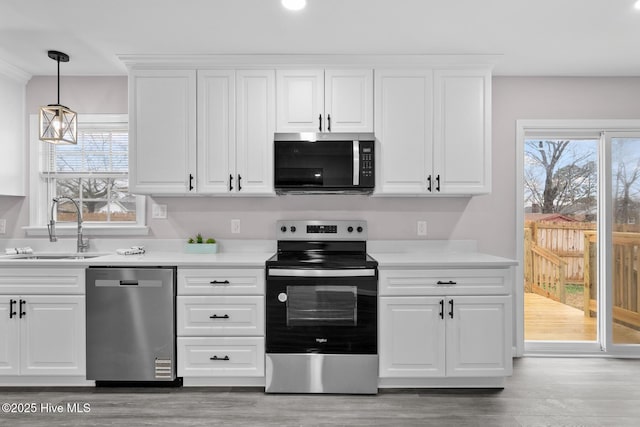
322,305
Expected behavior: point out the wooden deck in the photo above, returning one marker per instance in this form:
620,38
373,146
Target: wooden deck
549,320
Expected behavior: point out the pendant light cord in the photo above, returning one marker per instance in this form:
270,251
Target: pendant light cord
58,80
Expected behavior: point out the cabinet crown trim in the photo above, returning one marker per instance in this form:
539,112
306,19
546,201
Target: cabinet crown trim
134,61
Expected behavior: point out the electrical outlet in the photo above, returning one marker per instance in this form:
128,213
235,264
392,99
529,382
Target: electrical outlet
235,226
422,228
3,226
158,211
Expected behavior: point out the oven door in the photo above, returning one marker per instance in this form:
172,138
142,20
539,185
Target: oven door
321,311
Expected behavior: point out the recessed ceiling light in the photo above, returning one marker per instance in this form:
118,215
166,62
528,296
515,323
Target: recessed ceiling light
294,4
637,5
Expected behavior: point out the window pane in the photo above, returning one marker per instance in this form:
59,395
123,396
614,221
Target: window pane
122,204
69,187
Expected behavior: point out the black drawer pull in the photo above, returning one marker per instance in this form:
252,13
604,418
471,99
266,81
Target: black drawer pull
450,282
22,313
451,306
442,309
215,316
219,358
218,282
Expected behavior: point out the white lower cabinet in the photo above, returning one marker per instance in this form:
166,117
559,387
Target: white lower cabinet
458,338
220,315
42,336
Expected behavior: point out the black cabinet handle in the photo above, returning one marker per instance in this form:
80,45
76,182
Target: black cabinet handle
442,309
22,313
320,122
450,282
239,182
429,183
329,122
190,182
437,182
215,316
219,358
451,307
219,282
11,312
230,182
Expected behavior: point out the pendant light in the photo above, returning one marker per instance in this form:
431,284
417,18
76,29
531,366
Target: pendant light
58,124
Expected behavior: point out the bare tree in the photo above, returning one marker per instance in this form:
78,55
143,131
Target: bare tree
559,179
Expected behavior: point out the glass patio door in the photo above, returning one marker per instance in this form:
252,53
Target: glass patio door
621,248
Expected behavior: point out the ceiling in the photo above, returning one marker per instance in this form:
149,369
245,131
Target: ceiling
530,37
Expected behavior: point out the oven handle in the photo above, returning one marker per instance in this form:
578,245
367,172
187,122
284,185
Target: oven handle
287,272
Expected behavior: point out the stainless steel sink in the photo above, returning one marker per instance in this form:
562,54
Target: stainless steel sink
52,256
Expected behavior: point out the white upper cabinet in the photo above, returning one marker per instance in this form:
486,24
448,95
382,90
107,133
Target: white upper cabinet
462,132
13,84
228,152
255,126
325,100
433,128
216,130
404,123
162,140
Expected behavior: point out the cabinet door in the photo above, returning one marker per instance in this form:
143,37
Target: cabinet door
9,335
52,335
403,123
348,100
412,337
216,130
462,123
162,140
479,336
256,125
300,100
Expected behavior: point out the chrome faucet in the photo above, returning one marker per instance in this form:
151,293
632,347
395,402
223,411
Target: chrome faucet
83,244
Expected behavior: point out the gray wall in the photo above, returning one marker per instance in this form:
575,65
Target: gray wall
488,219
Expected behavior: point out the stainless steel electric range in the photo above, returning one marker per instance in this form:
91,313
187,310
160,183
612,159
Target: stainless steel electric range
321,310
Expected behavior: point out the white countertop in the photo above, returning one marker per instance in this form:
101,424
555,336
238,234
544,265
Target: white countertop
445,259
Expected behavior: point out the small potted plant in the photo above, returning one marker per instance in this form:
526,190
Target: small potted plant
201,246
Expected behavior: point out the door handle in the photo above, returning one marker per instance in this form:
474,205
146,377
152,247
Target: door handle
22,313
219,358
329,122
437,182
190,182
230,182
429,183
451,307
442,309
11,312
320,122
215,316
218,282
239,182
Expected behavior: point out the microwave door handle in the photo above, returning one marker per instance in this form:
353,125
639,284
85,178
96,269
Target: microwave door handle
356,162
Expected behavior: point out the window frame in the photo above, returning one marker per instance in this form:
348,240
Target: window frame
40,205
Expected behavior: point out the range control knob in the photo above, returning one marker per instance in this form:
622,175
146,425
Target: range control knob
283,229
293,228
350,229
359,229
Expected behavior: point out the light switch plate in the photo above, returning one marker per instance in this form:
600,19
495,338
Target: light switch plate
235,226
3,226
158,211
422,228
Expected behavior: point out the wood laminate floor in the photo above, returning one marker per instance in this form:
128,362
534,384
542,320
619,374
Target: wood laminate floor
541,392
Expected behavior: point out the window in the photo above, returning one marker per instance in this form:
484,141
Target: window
94,173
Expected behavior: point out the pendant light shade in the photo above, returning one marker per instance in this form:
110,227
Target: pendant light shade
58,124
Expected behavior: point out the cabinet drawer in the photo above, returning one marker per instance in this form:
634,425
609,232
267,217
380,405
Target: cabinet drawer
220,357
220,316
220,281
43,281
445,281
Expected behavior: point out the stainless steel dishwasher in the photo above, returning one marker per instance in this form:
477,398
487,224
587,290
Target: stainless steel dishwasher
131,325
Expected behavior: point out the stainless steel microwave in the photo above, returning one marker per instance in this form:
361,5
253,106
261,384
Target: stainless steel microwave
315,163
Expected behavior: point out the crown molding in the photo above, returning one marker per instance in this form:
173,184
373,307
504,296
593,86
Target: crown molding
179,61
13,72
